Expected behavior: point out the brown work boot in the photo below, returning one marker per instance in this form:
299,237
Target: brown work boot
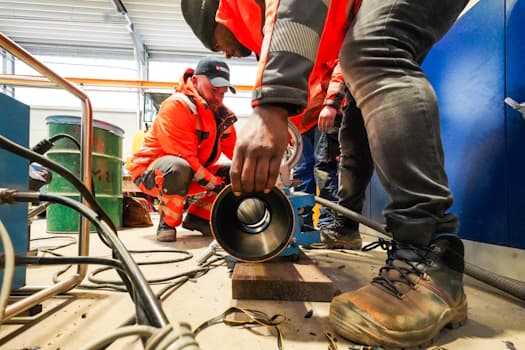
166,233
338,236
417,293
195,223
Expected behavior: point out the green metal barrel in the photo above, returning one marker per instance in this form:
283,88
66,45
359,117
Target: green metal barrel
106,171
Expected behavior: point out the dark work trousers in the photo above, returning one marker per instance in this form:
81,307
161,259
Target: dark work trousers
380,59
326,170
355,161
317,170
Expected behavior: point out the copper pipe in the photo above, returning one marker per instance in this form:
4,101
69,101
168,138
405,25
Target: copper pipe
86,128
41,295
38,81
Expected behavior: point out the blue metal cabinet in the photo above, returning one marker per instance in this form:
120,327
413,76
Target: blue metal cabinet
473,68
515,126
14,173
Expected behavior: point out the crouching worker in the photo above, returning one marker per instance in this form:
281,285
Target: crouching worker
178,158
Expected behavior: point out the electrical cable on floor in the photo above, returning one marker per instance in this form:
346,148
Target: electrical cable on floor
167,290
154,312
110,287
59,260
168,261
163,338
175,280
114,285
164,292
8,258
147,304
255,318
51,249
332,342
62,260
148,309
185,276
44,146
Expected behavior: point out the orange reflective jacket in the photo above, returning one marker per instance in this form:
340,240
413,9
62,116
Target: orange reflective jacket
326,88
185,127
258,29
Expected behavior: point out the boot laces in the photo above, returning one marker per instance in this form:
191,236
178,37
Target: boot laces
402,260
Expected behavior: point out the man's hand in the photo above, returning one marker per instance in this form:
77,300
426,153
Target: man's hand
218,184
259,150
326,118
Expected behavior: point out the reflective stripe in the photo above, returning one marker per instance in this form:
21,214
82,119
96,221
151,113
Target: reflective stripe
172,207
192,106
296,38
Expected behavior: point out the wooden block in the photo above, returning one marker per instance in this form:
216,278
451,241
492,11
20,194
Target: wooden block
282,280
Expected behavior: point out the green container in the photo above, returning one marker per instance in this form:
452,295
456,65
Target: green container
106,171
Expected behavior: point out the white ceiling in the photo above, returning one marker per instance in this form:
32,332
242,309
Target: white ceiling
95,27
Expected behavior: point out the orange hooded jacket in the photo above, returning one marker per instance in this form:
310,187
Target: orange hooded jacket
249,19
185,127
260,26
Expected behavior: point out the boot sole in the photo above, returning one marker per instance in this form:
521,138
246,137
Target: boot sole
451,318
167,237
191,227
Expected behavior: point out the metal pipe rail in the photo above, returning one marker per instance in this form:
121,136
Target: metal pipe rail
38,81
86,130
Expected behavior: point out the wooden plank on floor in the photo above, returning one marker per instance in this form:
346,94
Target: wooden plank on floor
282,280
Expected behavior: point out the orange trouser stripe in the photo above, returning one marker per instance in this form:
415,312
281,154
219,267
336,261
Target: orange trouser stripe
172,207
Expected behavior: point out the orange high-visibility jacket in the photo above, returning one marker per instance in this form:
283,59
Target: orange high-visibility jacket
258,28
325,89
185,127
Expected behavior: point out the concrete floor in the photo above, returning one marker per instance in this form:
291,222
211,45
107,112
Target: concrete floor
496,320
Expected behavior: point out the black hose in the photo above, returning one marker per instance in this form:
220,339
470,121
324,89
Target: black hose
145,296
57,137
46,144
511,286
354,216
60,260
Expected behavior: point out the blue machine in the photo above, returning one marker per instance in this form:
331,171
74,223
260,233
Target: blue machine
260,226
300,200
473,69
14,173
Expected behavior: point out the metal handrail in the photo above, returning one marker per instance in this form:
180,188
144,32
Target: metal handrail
86,129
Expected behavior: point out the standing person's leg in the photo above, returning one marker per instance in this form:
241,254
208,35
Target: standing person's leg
303,172
420,289
355,171
326,172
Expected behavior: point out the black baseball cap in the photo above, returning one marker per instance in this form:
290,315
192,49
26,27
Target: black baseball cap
200,16
216,70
